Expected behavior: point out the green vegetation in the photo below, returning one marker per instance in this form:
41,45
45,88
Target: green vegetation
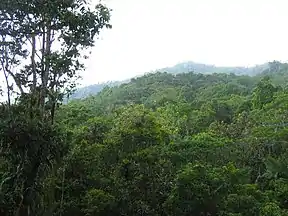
161,145
184,144
208,69
41,47
187,67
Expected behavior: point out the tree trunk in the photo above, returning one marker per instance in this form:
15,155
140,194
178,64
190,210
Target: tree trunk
45,69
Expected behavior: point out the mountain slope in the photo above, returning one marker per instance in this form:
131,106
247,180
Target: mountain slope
209,69
94,89
183,67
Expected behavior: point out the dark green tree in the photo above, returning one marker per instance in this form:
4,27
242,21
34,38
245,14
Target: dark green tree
41,47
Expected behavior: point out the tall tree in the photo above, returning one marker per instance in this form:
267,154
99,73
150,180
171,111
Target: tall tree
42,42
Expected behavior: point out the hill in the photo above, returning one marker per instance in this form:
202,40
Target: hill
179,144
158,88
178,68
209,69
94,89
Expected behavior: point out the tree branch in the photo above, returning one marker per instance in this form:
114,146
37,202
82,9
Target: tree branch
33,43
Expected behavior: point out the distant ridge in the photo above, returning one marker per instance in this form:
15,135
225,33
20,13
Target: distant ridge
184,67
94,89
190,66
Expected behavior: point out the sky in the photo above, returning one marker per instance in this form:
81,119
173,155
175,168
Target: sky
151,34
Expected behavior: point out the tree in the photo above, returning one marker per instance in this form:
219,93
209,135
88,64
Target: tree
263,93
41,47
42,44
30,149
200,190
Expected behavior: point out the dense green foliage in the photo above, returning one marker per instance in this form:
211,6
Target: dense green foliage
185,144
187,67
161,145
38,73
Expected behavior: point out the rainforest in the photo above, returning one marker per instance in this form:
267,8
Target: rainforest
162,144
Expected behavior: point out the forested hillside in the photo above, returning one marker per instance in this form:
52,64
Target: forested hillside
185,144
185,67
161,145
190,66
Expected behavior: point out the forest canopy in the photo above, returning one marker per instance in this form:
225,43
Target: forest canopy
184,144
161,145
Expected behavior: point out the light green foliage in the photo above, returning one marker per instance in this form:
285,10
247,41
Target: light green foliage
136,128
263,93
271,209
98,203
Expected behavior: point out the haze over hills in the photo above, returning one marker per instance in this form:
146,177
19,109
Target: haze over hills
183,67
94,89
209,69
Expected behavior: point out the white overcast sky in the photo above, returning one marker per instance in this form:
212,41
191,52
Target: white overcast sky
150,34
